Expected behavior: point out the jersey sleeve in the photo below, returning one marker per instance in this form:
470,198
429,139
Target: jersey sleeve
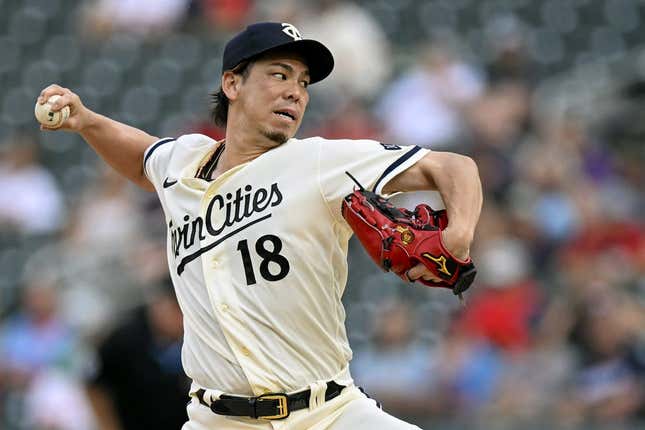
373,164
156,159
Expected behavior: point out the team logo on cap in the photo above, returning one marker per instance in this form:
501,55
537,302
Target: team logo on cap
291,31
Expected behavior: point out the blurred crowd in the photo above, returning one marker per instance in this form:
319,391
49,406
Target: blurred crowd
552,333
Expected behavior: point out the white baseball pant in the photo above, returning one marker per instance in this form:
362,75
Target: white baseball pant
350,410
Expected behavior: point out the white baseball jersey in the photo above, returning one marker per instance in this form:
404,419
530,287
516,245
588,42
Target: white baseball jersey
258,257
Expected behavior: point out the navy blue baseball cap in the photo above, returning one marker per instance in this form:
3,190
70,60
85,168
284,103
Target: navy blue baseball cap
263,37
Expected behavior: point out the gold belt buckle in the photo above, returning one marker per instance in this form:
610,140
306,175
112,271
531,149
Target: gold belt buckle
283,405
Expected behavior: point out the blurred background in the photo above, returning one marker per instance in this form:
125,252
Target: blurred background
547,96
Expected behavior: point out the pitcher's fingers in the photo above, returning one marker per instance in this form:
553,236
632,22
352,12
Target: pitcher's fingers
49,91
415,273
420,271
431,277
46,128
64,100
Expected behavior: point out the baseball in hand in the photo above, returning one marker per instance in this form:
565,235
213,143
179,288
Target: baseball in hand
47,117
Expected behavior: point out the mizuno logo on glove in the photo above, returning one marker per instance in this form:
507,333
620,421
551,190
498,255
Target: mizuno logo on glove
441,262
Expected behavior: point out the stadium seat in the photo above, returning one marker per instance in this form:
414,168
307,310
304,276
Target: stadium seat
140,105
184,49
39,74
10,54
28,25
164,75
63,50
103,76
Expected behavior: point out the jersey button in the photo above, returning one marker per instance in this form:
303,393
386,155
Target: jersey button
224,307
245,351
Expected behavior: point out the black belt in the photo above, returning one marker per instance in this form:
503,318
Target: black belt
270,406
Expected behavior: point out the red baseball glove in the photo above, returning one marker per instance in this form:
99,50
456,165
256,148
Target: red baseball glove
398,239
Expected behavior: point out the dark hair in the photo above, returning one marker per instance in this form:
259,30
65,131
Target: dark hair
219,109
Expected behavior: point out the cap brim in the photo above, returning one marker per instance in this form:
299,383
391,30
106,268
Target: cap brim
318,58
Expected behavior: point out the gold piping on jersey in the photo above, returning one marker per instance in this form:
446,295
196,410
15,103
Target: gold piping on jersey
206,168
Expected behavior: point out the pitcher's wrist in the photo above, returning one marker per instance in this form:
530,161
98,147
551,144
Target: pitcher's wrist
457,241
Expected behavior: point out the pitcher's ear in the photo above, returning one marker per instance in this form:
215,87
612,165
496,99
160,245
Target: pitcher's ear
231,82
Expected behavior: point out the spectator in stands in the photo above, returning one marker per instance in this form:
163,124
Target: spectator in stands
30,200
548,193
57,402
37,351
35,337
143,17
144,351
505,307
361,49
395,369
426,105
497,123
350,120
608,386
225,15
467,372
108,213
505,41
507,313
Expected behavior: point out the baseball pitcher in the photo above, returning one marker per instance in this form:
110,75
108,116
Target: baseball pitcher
258,227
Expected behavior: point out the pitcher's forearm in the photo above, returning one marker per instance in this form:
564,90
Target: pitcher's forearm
461,192
120,145
456,177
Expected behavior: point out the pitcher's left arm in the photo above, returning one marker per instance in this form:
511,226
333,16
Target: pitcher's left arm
456,178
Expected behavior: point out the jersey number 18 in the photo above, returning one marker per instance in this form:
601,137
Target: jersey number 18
268,255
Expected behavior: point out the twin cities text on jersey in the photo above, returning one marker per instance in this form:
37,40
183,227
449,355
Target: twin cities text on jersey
223,211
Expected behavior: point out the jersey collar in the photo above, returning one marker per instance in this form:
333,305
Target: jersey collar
189,172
